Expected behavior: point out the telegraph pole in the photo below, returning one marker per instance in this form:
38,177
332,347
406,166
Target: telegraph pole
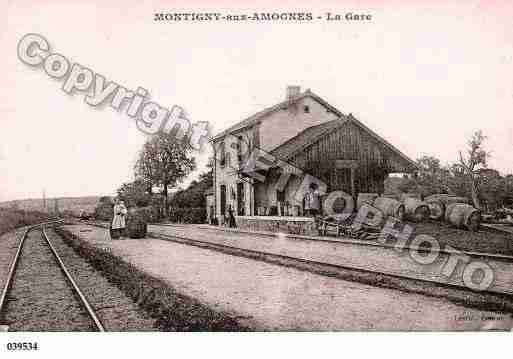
56,205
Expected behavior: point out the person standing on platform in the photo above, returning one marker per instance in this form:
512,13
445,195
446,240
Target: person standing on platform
313,201
231,218
119,220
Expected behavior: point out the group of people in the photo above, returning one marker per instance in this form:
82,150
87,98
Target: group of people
118,225
312,205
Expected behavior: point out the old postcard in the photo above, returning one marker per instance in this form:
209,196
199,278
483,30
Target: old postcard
173,166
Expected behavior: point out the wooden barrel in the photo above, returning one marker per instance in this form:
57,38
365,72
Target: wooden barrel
395,196
447,199
436,197
375,217
462,215
137,224
454,199
365,198
114,233
415,209
436,209
390,207
404,196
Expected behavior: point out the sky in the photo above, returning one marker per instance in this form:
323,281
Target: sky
422,74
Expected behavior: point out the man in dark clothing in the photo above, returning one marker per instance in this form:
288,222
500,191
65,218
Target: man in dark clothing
313,201
231,218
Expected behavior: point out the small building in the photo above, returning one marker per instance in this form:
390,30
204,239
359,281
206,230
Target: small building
303,135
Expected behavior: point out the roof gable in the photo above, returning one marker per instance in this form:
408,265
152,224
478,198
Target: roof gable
313,134
253,119
304,138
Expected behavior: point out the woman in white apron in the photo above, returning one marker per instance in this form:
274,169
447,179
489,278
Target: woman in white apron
119,221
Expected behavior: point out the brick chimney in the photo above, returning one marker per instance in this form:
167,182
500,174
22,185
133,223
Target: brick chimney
292,92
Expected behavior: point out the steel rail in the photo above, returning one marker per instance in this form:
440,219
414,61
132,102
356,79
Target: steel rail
304,264
363,243
12,269
14,263
90,311
338,271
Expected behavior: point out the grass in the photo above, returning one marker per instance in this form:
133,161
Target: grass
172,310
10,219
485,240
73,204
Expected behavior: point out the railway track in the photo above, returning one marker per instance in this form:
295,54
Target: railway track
328,269
366,243
40,294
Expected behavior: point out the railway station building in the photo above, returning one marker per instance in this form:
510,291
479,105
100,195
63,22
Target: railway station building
301,135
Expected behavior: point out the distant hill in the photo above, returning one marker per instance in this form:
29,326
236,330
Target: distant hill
73,204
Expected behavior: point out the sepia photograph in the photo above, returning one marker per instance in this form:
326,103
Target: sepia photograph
254,166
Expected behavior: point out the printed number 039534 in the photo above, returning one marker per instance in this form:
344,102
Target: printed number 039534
22,346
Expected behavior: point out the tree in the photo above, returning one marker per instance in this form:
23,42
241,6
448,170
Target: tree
472,162
135,193
403,185
458,181
105,199
194,195
508,191
432,176
164,161
103,211
491,189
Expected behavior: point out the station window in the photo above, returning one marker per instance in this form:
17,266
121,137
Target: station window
222,155
280,196
306,109
239,149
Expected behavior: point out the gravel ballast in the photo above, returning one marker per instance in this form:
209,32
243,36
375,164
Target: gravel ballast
41,298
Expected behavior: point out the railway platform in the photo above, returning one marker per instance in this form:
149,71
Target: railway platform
354,254
267,296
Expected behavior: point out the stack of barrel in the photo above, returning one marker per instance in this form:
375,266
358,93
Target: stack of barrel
390,207
137,223
416,210
455,210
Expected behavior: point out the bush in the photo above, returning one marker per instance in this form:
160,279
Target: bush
103,212
151,214
187,215
137,223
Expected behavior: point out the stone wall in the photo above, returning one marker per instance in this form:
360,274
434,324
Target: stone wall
293,225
